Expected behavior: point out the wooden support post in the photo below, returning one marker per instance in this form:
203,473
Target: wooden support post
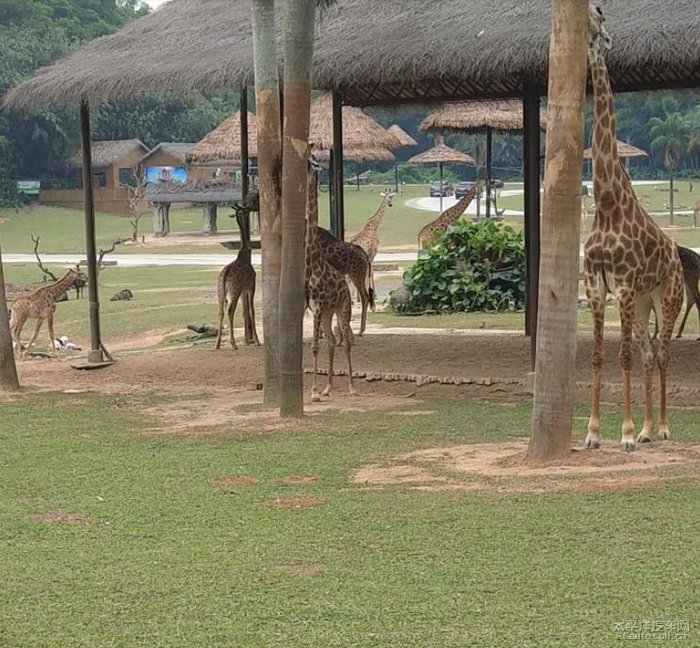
95,353
531,157
489,144
337,183
245,164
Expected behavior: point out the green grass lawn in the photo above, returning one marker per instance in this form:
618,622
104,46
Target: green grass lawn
163,557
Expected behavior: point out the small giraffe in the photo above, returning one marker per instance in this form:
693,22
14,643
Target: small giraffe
39,305
450,216
235,280
627,255
350,260
691,276
368,237
327,293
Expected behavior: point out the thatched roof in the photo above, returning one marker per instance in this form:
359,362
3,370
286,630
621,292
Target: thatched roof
624,150
410,49
360,131
177,150
107,152
474,116
224,142
357,155
400,134
441,153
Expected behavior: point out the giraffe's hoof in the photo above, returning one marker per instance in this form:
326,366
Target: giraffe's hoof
643,438
627,445
326,392
592,444
664,433
315,396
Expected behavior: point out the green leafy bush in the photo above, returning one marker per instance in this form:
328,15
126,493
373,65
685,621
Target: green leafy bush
473,267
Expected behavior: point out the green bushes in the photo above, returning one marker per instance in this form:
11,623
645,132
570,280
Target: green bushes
472,267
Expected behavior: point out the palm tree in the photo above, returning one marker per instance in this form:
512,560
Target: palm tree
267,106
671,136
8,369
555,375
298,57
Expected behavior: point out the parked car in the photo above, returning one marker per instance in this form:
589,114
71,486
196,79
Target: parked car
437,190
462,188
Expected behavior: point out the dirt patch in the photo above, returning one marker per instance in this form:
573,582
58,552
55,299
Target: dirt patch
300,480
502,467
294,502
234,480
301,570
59,515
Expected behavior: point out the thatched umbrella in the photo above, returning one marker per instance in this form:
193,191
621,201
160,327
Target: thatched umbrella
406,140
357,155
441,154
223,144
624,150
477,116
360,131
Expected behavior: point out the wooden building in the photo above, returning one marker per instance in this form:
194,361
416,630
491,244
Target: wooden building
113,163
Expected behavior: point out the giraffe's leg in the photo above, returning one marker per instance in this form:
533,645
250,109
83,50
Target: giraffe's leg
370,273
315,396
641,330
669,306
627,317
222,306
326,324
344,321
16,324
364,301
233,302
35,332
251,295
52,336
248,331
596,298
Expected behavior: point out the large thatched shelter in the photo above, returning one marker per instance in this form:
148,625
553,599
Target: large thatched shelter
223,144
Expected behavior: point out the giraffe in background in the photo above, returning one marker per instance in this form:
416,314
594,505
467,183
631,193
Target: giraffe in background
39,305
368,237
627,255
450,216
327,293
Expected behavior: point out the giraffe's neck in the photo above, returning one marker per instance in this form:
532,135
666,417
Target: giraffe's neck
452,215
311,212
607,168
62,285
372,224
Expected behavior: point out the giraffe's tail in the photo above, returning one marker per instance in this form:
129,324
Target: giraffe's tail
370,294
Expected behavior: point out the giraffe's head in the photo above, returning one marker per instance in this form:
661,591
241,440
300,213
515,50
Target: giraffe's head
387,196
598,38
479,183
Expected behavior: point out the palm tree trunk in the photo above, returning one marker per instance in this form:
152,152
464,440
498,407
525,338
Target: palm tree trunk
298,55
267,104
670,198
8,369
555,378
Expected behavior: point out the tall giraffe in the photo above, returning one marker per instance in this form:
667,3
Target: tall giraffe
450,216
627,255
368,237
40,305
327,293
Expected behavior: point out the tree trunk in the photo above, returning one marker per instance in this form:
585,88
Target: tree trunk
209,217
555,376
298,54
8,369
670,198
267,107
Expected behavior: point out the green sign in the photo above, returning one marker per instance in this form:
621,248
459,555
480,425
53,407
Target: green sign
28,187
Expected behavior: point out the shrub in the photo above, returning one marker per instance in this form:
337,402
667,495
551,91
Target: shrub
473,267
